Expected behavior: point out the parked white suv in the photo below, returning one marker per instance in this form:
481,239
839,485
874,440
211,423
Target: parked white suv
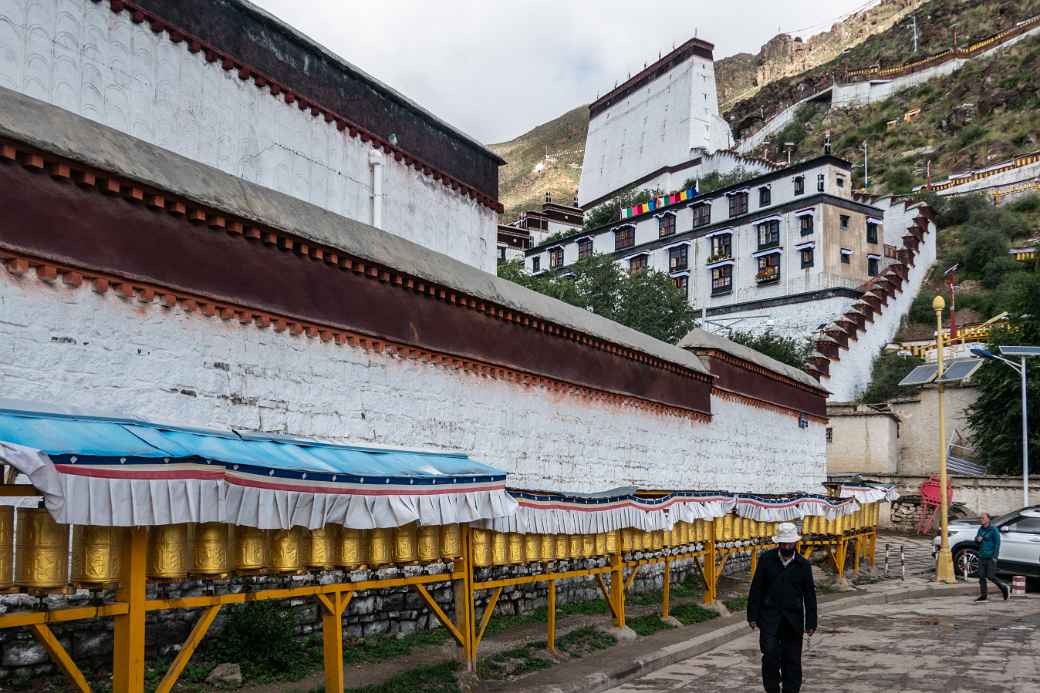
1019,543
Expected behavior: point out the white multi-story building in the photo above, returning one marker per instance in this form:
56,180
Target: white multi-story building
789,250
533,228
657,128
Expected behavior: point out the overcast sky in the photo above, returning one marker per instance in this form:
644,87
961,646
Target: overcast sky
495,69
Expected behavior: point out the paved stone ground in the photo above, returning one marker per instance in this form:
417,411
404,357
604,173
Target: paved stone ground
942,644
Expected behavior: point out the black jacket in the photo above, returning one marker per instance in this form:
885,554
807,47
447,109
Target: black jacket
782,593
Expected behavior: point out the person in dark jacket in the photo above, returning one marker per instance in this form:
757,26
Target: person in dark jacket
988,539
782,605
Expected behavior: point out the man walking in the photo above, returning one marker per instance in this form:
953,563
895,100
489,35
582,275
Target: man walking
782,605
988,540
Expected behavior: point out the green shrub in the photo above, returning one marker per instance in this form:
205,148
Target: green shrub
262,639
436,678
647,625
693,613
888,369
971,134
1028,203
982,246
997,270
899,180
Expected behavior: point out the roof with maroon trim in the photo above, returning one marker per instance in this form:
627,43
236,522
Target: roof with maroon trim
294,67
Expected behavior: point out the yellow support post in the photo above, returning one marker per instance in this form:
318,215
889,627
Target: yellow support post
551,608
754,561
464,607
441,616
485,618
60,656
128,648
332,608
188,649
617,587
666,589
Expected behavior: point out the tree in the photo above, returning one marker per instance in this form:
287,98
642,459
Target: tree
787,350
611,211
888,369
995,418
647,301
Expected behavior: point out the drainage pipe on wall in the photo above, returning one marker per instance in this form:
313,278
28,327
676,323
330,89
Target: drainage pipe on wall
375,162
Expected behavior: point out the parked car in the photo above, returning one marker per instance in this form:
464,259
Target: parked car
1019,543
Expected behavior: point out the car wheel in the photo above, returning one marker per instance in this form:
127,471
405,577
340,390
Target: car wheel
966,561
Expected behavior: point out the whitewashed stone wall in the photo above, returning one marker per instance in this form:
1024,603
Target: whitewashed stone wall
660,124
795,320
850,375
103,354
82,57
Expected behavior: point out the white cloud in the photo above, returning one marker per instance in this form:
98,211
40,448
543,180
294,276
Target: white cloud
495,69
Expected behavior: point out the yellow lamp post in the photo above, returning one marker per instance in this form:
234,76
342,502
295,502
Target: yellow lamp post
944,566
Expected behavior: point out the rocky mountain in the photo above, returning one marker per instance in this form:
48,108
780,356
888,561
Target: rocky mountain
740,76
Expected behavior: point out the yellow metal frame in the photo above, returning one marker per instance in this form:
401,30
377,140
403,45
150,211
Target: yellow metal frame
131,606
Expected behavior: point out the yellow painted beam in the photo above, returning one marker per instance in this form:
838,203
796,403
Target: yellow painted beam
60,656
333,606
666,590
631,579
187,650
542,577
617,588
28,618
18,491
465,612
441,616
128,648
485,618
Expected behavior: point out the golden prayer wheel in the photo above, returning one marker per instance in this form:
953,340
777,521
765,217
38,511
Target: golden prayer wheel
6,546
168,552
562,547
451,541
250,550
429,540
718,528
588,545
515,548
684,532
657,540
210,549
548,546
669,536
643,540
380,546
612,541
321,547
601,544
406,539
353,548
628,539
481,542
499,548
286,550
532,547
96,555
697,531
42,550
574,546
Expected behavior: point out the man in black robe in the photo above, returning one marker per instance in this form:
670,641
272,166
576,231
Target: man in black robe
782,605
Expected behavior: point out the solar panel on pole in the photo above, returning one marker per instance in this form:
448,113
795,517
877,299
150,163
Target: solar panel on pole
1020,350
921,375
960,370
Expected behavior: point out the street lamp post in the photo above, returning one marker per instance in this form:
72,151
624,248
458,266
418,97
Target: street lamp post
944,566
1022,370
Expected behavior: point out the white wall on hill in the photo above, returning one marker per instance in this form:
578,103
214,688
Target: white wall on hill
103,354
661,124
82,57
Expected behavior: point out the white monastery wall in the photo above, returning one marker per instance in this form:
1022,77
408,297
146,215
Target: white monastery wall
850,375
658,125
863,444
794,320
74,347
82,57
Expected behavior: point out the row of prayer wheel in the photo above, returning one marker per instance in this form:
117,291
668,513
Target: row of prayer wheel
36,555
864,518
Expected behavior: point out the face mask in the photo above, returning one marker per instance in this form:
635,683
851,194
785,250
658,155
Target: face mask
787,553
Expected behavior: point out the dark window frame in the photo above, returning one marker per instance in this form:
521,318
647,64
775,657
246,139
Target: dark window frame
772,229
555,258
684,281
625,232
844,220
873,266
679,258
536,264
765,196
807,229
738,204
701,214
584,247
638,263
799,185
721,250
872,232
821,182
846,258
721,280
766,262
807,256
666,225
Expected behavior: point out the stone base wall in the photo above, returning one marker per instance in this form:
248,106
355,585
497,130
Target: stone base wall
391,611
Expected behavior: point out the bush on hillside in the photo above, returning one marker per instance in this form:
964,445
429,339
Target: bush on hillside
888,369
899,180
981,247
1026,204
787,350
998,269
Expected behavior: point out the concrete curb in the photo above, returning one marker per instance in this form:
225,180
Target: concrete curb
599,681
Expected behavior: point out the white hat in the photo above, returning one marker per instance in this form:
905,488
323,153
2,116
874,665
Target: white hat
786,533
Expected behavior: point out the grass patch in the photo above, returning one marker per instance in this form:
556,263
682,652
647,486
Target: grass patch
512,663
645,598
192,679
583,641
590,607
647,625
736,603
693,613
382,647
436,678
